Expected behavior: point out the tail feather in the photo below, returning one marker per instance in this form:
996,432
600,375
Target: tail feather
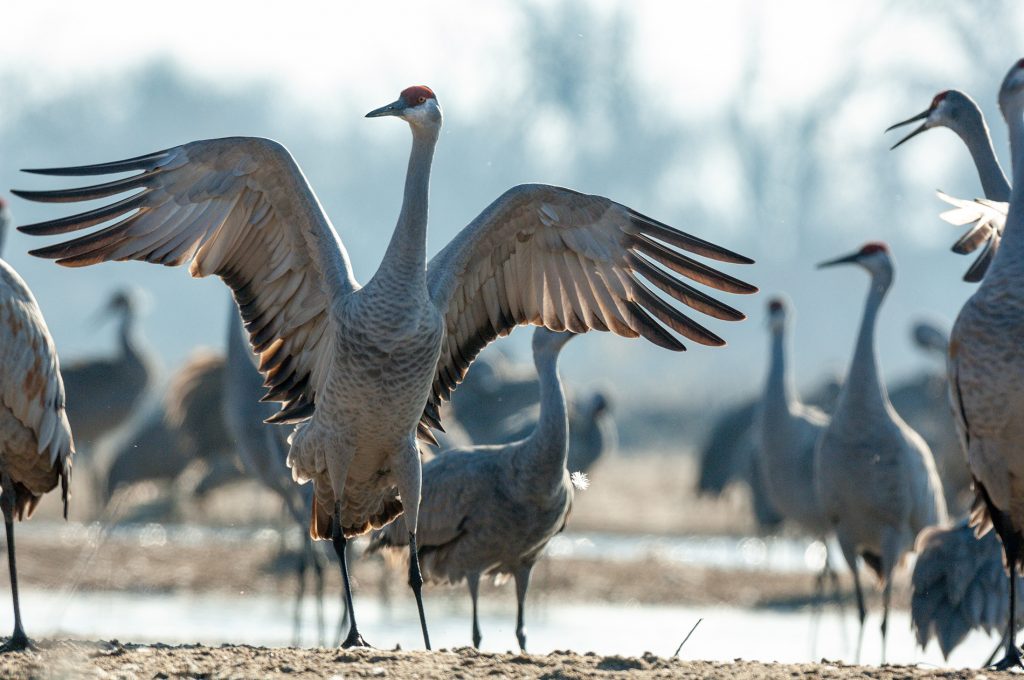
321,523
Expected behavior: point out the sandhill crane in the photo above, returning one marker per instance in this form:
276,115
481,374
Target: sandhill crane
875,475
362,370
150,452
958,586
922,400
787,434
491,510
35,439
985,368
103,392
957,111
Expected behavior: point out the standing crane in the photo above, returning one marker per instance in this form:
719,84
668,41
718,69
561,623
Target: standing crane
104,392
491,510
362,370
985,366
787,434
875,475
35,438
955,110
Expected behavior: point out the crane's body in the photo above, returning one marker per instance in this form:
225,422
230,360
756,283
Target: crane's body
875,476
104,392
956,111
491,510
363,371
788,433
986,365
36,445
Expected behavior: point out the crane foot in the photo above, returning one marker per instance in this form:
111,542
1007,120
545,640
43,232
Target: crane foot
354,639
18,642
1011,660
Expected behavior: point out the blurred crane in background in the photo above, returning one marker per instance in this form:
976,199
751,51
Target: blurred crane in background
875,475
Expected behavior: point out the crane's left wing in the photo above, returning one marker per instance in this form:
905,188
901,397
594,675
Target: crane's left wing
553,257
987,219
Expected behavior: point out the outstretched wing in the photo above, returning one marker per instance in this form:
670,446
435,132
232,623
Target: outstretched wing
987,219
238,208
553,257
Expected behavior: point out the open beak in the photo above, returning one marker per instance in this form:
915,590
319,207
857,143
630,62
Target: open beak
845,259
921,128
395,108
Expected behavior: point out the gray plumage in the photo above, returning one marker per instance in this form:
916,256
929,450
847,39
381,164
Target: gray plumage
495,389
985,367
363,370
5,223
36,446
491,510
151,452
875,475
956,111
788,432
104,392
958,585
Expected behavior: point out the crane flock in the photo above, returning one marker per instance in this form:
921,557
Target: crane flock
362,372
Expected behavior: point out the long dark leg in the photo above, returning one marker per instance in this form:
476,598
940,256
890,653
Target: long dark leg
886,593
416,583
18,641
861,611
473,580
1011,540
343,619
522,577
353,639
300,595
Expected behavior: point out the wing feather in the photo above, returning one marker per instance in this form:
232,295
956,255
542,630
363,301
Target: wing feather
549,256
987,219
238,208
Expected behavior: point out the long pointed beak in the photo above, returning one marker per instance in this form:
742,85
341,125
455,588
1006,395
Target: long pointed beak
924,126
393,109
845,259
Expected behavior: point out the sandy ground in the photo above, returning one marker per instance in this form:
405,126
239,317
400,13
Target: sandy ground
112,660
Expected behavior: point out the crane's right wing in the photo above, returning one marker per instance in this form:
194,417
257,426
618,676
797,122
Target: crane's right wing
31,388
987,219
239,208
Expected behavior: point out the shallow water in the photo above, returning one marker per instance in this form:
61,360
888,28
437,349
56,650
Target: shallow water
725,633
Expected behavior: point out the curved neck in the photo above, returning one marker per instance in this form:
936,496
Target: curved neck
976,137
406,257
127,334
549,443
863,385
778,389
1010,257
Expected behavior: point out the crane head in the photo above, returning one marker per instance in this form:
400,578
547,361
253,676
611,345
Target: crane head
417,105
778,309
873,256
949,108
1011,94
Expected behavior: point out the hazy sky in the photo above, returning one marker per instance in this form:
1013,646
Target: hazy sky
322,64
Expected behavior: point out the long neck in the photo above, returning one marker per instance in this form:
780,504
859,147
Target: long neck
406,258
979,143
548,446
863,386
129,348
778,391
1009,261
